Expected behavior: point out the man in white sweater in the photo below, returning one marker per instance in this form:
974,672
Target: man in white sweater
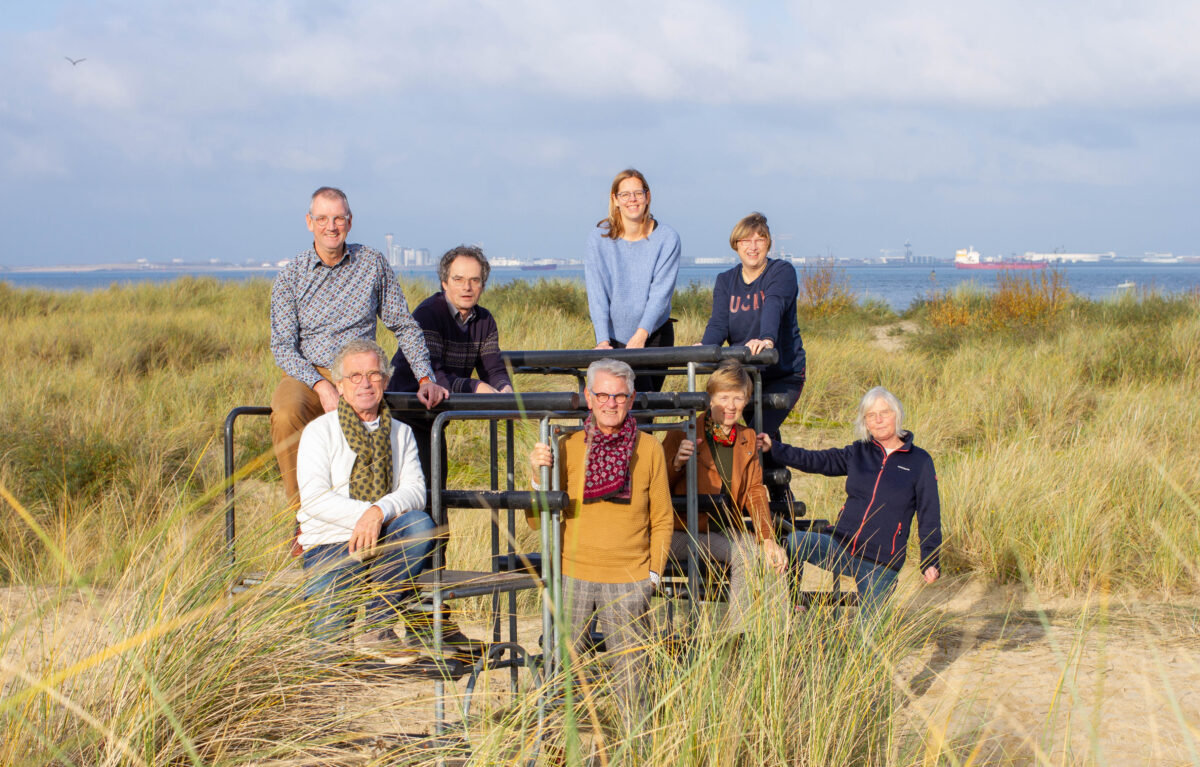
363,526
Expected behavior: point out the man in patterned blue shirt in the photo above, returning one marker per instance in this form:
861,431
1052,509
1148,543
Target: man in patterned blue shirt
324,297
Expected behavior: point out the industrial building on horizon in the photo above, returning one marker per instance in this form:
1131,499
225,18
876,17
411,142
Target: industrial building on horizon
400,255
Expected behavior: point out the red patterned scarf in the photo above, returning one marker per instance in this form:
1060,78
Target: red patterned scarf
607,474
715,433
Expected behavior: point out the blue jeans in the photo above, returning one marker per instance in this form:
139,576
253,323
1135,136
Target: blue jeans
875,582
384,583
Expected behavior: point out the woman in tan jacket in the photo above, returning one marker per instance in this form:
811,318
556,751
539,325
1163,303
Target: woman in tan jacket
726,463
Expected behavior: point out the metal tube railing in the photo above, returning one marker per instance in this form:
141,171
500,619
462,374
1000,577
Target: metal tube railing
436,511
541,405
230,470
638,358
566,403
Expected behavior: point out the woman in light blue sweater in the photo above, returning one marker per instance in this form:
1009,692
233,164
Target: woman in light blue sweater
631,265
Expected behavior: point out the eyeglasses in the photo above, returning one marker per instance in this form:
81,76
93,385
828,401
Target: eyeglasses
759,241
458,279
637,194
881,415
373,376
338,221
604,397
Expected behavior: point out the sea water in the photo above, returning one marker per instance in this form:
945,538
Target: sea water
897,286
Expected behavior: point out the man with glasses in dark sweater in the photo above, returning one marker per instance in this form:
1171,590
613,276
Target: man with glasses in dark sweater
462,338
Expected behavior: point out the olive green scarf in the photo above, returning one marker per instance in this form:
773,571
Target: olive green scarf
371,475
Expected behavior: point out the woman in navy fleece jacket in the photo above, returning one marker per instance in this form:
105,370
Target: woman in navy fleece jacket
888,480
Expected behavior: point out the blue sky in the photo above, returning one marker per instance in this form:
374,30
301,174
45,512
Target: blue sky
197,131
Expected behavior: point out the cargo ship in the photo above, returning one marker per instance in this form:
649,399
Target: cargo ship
542,265
968,258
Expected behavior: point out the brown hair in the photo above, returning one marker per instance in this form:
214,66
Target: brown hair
755,223
615,226
729,376
470,251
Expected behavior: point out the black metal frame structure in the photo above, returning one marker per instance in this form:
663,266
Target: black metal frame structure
511,571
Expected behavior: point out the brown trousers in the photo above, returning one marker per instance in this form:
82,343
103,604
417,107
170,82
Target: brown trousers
293,406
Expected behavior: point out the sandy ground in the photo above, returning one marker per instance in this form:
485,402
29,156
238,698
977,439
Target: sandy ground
890,338
1006,676
1075,681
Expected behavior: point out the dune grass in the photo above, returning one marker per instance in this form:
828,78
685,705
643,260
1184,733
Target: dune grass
1059,427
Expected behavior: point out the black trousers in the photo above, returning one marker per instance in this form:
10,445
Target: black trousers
422,429
772,419
792,386
664,336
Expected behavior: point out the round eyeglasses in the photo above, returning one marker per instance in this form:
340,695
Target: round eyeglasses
373,376
637,194
603,397
338,221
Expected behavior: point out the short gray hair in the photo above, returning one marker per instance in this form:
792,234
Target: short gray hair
470,251
359,346
333,193
878,393
613,368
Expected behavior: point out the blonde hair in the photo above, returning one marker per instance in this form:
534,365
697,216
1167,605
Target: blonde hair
729,376
755,223
615,227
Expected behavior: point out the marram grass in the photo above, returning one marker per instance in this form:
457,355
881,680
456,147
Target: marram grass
1063,446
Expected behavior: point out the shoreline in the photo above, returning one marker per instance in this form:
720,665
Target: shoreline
193,268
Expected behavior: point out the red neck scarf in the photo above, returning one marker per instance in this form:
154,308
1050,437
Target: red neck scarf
711,428
607,474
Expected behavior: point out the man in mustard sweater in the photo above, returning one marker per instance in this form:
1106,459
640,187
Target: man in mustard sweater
617,530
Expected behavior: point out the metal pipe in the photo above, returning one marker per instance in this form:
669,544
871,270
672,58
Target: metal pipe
435,496
693,522
230,470
656,356
494,484
407,402
776,401
693,512
497,499
758,400
568,403
561,636
510,482
547,626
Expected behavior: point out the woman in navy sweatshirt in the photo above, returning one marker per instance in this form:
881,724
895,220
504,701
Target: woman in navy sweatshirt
754,305
888,480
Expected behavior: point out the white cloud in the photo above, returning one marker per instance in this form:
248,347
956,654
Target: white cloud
232,57
980,98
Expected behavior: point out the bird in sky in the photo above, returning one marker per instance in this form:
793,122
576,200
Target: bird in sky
74,62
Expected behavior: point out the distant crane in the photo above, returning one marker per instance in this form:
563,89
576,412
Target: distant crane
74,62
779,251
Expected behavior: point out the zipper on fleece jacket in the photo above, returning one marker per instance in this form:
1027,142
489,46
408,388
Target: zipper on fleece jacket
898,525
854,540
